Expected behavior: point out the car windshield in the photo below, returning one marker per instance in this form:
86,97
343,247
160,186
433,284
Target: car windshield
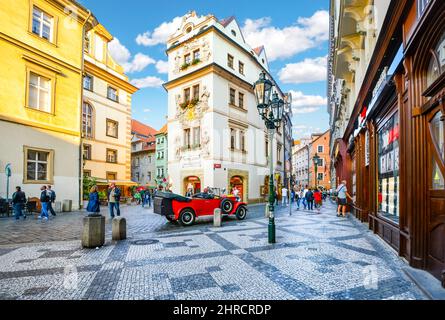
203,195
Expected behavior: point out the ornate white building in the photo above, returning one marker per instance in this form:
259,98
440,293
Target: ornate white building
216,137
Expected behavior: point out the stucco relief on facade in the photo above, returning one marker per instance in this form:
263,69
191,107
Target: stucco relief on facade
202,44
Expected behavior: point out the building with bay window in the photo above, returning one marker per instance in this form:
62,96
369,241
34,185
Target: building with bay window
390,145
216,137
106,114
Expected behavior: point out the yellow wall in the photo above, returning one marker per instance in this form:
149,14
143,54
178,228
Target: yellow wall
21,49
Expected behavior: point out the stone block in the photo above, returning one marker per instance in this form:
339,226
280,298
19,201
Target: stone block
93,234
67,205
119,228
217,217
57,205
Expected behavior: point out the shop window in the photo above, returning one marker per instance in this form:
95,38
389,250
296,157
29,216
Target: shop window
438,180
388,169
437,63
437,130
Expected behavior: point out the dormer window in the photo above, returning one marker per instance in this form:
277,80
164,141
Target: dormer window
188,30
233,33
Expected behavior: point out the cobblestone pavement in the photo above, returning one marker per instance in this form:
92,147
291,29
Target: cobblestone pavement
317,256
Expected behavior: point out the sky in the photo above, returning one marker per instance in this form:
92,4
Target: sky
294,32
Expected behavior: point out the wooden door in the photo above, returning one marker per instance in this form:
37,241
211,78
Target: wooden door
436,193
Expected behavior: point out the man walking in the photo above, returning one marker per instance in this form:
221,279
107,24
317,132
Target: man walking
284,199
18,203
310,199
52,199
342,195
44,199
114,195
305,190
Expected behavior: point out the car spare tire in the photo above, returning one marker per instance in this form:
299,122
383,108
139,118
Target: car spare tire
187,217
226,206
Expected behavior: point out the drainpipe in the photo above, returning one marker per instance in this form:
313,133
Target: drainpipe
82,67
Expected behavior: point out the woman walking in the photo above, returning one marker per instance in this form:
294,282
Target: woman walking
93,203
318,199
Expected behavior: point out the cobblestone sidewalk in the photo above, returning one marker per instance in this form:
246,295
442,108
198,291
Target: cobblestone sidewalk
317,256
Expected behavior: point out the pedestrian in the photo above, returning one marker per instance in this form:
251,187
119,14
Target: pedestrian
147,197
44,199
298,198
310,199
52,199
305,190
93,201
137,197
235,192
318,199
114,195
342,195
18,203
284,199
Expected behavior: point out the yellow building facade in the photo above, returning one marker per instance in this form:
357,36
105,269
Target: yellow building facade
40,102
106,113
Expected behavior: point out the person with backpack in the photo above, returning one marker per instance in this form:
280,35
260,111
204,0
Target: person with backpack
44,199
310,199
18,203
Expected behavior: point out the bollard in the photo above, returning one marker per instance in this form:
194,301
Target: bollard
217,217
119,229
58,206
93,234
67,205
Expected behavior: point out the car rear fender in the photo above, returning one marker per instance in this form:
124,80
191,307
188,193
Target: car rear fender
179,206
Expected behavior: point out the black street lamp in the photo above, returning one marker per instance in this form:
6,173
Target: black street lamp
316,160
271,111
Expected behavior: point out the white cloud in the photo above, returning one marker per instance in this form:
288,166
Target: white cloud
123,57
147,110
308,70
302,103
162,66
160,34
147,82
305,34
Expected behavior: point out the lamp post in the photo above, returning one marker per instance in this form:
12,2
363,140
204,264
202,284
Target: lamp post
316,160
271,111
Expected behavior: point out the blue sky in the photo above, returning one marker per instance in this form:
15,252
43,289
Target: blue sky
294,34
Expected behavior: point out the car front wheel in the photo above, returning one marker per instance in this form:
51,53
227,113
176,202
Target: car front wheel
187,217
226,206
241,213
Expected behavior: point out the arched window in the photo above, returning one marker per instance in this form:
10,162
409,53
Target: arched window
87,120
437,63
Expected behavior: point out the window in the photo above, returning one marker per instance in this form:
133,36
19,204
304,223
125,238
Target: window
230,61
87,152
137,176
320,176
38,165
232,138
111,156
233,32
112,94
111,175
196,136
388,169
88,82
187,138
196,92
187,95
242,141
112,128
149,176
39,95
320,149
87,120
232,96
149,159
196,56
437,64
321,162
241,67
87,173
187,59
240,100
279,154
42,24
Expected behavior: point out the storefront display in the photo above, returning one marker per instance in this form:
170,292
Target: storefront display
388,174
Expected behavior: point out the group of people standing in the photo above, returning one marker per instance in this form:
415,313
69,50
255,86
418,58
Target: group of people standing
113,197
47,198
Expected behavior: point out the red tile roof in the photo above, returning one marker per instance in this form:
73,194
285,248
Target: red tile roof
142,129
225,22
258,50
164,129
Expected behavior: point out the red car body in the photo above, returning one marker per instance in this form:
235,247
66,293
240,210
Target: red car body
185,210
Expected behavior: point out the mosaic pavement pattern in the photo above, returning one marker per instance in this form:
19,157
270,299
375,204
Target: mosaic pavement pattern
317,256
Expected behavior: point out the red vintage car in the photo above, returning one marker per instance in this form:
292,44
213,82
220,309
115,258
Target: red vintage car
185,210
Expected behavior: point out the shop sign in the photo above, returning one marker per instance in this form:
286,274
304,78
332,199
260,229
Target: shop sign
217,166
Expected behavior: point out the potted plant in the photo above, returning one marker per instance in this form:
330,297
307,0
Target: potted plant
184,105
196,61
185,65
